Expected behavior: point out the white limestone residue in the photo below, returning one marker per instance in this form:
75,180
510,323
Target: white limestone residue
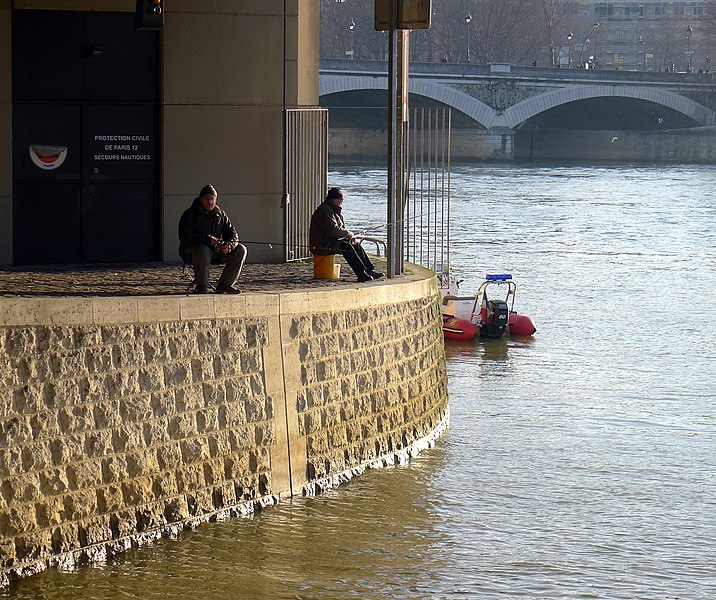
399,457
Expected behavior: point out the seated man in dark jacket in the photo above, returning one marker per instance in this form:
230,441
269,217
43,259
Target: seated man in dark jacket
207,236
328,235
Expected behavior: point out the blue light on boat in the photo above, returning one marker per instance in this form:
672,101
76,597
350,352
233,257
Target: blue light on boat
498,277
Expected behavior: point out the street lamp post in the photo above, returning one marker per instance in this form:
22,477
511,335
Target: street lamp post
689,31
570,35
595,27
468,20
352,26
641,62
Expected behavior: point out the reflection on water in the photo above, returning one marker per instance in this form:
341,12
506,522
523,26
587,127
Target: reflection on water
579,463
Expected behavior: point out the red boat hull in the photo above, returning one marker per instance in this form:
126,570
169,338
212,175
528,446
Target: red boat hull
458,329
521,325
464,330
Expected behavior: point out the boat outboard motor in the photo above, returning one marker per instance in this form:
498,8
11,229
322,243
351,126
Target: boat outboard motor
496,322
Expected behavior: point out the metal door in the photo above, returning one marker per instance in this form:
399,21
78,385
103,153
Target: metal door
119,190
47,188
85,143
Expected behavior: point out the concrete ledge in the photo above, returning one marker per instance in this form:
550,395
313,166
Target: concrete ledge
72,310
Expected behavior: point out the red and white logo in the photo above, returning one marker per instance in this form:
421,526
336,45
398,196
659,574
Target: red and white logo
48,158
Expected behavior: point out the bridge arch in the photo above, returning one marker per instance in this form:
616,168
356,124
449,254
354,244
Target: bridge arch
522,111
514,116
473,108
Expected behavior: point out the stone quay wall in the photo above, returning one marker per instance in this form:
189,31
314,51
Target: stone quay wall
694,145
356,145
126,419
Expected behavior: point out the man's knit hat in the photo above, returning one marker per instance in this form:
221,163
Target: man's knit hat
208,189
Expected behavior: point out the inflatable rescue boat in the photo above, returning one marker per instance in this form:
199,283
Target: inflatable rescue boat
466,317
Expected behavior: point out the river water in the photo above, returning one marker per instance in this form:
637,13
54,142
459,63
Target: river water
578,464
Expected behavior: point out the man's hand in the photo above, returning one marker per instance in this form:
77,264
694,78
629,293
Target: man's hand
213,240
351,238
224,249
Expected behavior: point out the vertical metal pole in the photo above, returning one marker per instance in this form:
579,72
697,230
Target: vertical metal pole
413,225
401,146
392,145
449,186
443,217
422,183
429,210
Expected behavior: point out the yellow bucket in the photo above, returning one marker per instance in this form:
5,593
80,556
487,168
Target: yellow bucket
323,267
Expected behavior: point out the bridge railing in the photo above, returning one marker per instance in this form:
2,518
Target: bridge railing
330,66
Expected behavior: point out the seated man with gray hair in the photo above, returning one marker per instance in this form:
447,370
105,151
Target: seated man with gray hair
206,236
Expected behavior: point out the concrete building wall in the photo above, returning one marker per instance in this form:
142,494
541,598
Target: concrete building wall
306,55
126,419
227,74
222,115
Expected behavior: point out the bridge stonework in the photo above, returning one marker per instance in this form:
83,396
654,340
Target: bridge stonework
499,95
501,98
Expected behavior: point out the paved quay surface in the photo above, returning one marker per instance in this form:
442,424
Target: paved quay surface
155,279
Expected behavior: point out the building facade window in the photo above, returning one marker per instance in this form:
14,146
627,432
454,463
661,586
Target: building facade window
604,11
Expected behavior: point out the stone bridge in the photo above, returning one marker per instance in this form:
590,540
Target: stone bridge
502,98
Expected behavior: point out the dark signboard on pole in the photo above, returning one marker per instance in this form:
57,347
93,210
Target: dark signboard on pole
411,14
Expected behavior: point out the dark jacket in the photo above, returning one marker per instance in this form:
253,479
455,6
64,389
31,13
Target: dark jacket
327,227
196,225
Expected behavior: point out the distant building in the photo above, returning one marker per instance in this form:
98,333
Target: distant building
643,35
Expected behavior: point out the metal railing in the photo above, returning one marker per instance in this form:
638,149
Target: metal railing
379,245
426,206
306,175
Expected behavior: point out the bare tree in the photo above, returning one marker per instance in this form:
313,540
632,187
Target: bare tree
349,26
709,30
494,30
505,30
667,41
554,14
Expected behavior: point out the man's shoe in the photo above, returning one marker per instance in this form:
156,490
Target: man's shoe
376,274
364,278
201,289
227,289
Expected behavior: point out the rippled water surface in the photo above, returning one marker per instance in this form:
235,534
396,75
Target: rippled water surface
579,464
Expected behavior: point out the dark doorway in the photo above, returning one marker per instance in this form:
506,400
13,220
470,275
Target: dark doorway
85,138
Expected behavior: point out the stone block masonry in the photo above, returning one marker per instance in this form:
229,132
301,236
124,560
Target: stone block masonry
122,420
373,388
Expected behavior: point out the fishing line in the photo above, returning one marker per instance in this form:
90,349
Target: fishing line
373,228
